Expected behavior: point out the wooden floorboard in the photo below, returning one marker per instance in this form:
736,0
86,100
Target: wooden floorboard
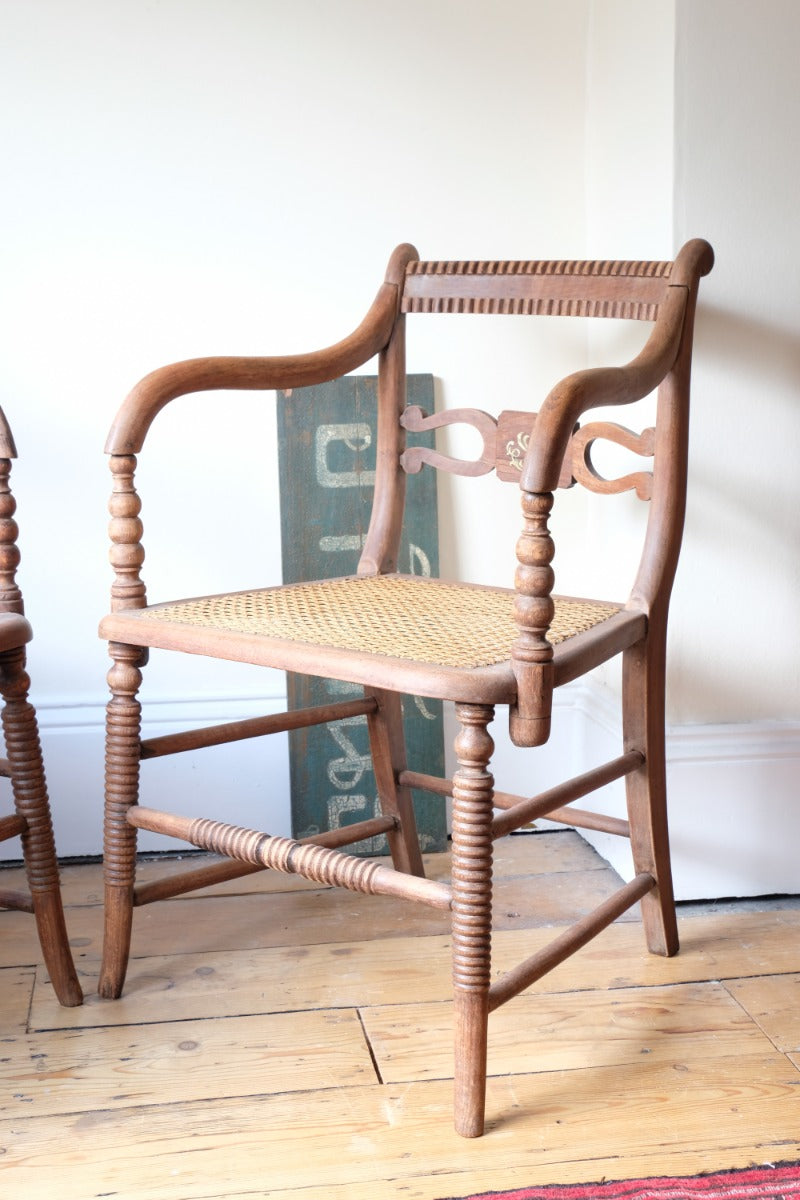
381,1134
774,1003
284,1041
310,916
573,1031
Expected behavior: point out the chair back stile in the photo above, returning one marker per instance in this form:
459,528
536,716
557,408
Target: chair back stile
652,586
382,543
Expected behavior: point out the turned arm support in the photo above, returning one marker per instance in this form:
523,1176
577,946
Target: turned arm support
156,390
10,595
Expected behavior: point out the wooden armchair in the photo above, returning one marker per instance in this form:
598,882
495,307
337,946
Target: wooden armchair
23,764
390,633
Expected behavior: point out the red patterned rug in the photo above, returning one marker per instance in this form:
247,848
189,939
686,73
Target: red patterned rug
778,1182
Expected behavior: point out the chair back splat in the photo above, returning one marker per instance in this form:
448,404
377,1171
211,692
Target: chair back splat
508,643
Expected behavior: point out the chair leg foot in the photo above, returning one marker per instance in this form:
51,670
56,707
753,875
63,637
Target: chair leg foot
49,915
118,918
471,1014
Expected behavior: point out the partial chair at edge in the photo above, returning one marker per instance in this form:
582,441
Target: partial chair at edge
393,634
23,764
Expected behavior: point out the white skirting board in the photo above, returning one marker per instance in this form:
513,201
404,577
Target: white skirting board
734,790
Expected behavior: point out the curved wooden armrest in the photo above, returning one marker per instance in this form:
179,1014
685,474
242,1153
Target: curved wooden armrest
14,631
599,386
615,385
157,389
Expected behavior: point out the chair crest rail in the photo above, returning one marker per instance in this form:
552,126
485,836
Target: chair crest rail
632,290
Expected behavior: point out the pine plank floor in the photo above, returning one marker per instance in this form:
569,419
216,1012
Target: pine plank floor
281,1040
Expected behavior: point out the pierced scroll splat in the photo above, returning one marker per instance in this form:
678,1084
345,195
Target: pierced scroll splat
585,472
505,442
415,420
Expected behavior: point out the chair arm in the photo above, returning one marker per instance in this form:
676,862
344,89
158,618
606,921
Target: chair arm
599,386
157,389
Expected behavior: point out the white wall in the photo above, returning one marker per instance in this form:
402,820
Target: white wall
736,632
194,177
733,695
737,176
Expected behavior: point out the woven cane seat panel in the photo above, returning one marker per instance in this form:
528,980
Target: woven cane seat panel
444,624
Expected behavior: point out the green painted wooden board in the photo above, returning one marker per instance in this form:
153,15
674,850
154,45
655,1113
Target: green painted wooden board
326,438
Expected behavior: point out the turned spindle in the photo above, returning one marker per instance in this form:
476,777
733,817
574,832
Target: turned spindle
10,595
532,654
125,530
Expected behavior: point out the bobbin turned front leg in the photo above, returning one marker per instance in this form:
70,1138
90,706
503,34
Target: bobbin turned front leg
123,727
473,790
31,801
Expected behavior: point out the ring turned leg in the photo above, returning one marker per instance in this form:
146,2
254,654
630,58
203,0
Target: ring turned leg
29,787
123,728
643,710
473,790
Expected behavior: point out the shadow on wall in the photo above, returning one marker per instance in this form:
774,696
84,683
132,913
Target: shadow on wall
739,577
755,424
729,336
